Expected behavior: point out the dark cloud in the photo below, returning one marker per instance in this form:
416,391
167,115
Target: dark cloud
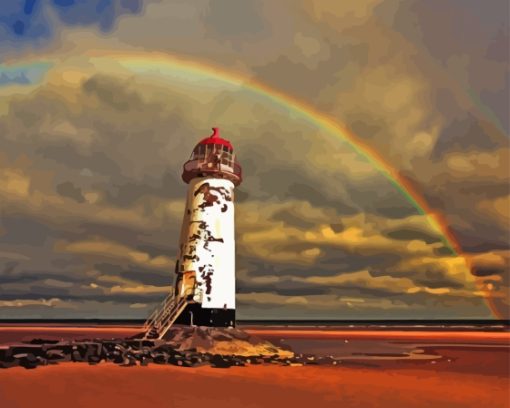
128,192
115,167
70,156
288,217
24,231
467,134
249,23
302,191
468,50
25,276
143,276
410,234
68,189
90,168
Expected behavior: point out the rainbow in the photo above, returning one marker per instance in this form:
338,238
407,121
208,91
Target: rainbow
171,65
147,62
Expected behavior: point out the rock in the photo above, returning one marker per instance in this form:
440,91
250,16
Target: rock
76,356
27,360
120,348
128,362
188,363
66,349
117,358
164,349
55,354
144,361
218,361
94,360
6,358
238,362
42,341
185,346
41,361
5,352
36,350
160,358
12,362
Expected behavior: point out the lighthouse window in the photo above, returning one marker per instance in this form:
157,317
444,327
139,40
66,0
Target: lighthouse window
225,148
227,158
199,152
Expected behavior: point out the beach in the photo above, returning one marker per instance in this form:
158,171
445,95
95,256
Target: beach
108,385
467,371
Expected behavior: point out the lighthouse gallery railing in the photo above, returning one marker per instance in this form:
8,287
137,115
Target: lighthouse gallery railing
203,166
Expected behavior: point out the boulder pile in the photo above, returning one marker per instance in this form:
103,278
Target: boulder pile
184,346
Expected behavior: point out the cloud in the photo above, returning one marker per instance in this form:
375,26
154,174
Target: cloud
498,209
257,305
91,154
492,271
100,248
53,302
320,231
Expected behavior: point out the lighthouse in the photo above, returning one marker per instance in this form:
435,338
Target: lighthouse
206,265
204,290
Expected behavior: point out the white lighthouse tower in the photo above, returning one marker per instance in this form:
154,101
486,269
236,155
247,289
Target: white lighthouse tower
204,292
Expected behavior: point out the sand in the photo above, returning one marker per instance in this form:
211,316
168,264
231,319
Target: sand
472,375
108,385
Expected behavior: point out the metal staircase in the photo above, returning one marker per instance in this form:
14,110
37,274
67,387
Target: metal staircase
164,316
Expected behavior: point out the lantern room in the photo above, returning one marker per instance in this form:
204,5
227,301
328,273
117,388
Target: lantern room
213,157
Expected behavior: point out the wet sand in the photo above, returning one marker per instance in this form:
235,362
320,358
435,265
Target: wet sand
108,385
17,332
468,369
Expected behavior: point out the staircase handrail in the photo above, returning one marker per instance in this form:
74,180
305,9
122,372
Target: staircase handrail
162,318
176,310
158,311
172,311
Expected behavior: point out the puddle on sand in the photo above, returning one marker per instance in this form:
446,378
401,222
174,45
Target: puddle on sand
353,350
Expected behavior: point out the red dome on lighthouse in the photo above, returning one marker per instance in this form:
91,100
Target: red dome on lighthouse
213,157
215,139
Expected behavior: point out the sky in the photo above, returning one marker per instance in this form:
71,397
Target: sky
373,137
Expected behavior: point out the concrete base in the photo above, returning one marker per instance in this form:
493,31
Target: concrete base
198,316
